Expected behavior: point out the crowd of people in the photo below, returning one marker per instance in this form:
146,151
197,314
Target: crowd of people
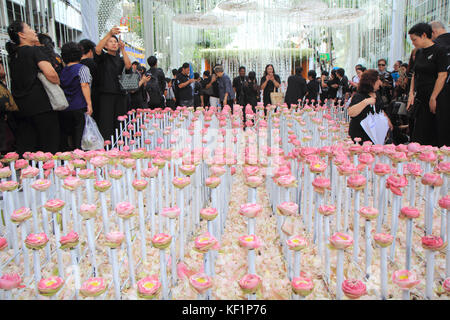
414,96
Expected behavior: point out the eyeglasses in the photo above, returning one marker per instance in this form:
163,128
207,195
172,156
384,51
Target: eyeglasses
381,65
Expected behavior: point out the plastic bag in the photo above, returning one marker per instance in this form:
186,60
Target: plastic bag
92,139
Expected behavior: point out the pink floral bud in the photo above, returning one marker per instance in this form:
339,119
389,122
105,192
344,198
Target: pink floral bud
21,164
171,213
72,183
88,211
93,287
302,286
206,242
139,185
50,286
250,210
384,240
409,213
395,183
36,241
366,158
181,182
251,170
340,241
208,214
250,283
3,243
320,184
346,169
148,287
428,156
444,202
287,181
356,182
86,174
21,215
129,163
114,239
5,172
297,243
433,243
10,281
405,279
250,242
79,163
161,241
159,162
99,161
28,173
70,241
125,210
150,172
188,170
327,210
8,186
54,205
287,209
354,289
368,213
318,166
432,179
254,181
200,282
446,285
212,182
414,169
116,174
217,171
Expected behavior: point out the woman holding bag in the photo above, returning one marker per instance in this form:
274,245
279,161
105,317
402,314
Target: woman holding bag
112,101
270,82
362,102
38,124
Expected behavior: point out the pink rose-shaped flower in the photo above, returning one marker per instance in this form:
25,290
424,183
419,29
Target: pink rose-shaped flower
446,285
10,281
205,242
36,241
254,181
9,157
320,184
395,183
181,182
250,283
54,205
368,213
287,209
150,172
381,169
208,214
250,210
444,202
159,162
29,173
116,174
3,243
297,243
86,174
148,287
72,183
139,185
356,182
366,158
340,241
413,168
88,211
432,179
21,215
21,164
212,182
5,172
161,241
62,172
287,181
444,167
187,170
327,210
171,213
250,242
114,239
302,286
318,166
69,241
384,240
200,282
93,287
428,156
128,163
433,243
102,186
217,171
125,210
251,171
8,186
354,289
50,286
405,279
409,213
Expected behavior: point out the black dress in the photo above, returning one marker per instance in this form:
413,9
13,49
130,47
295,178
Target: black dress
313,91
269,88
38,124
296,89
355,129
429,62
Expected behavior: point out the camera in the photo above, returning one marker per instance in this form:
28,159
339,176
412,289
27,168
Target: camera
148,74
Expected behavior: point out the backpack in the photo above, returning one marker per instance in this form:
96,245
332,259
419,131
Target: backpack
154,91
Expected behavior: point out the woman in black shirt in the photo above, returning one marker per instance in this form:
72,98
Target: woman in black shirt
362,102
38,124
296,88
430,73
312,87
270,82
112,101
333,85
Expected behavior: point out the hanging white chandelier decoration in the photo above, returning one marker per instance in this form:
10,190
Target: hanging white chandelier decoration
239,5
207,20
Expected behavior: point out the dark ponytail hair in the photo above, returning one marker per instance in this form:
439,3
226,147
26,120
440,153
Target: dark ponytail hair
13,32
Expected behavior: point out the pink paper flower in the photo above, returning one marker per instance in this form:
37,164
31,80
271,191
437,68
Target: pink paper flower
21,164
69,241
188,170
8,186
116,174
395,183
287,181
86,174
321,184
150,172
366,158
254,181
318,166
217,171
93,287
139,185
356,182
446,285
159,162
297,243
287,209
413,168
36,241
205,242
208,214
433,243
432,179
128,163
148,287
125,210
250,210
161,241
302,286
250,242
327,210
29,173
340,241
54,205
444,167
10,281
3,243
114,239
181,182
88,211
251,171
171,213
409,213
50,286
5,172
212,182
250,283
384,240
444,202
368,213
21,215
200,282
405,279
102,186
382,169
354,289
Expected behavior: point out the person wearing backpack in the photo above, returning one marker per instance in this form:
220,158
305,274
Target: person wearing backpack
156,86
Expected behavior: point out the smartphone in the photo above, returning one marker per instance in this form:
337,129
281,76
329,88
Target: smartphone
123,29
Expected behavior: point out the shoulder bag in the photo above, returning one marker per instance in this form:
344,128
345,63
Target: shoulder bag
55,94
129,81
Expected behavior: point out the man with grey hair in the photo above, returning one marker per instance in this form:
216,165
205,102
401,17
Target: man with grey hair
440,36
226,91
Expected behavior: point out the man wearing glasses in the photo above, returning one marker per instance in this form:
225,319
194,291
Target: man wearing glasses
387,80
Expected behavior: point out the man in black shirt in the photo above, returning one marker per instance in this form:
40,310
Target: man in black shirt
157,84
87,48
238,87
312,87
183,85
388,82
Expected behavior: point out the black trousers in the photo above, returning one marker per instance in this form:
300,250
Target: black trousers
443,117
110,106
425,129
38,133
72,127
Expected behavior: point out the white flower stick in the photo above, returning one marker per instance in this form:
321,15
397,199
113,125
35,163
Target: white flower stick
356,227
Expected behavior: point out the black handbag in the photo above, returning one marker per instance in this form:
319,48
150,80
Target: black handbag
412,112
129,81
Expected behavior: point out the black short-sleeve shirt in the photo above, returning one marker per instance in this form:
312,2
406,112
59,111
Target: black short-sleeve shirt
186,92
109,69
429,62
27,89
269,88
355,129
